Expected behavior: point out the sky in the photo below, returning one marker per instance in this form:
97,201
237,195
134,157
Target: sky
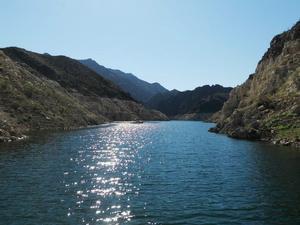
181,44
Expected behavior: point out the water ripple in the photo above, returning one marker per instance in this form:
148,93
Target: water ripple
151,173
107,164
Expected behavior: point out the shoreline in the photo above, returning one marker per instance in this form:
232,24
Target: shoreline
26,135
270,140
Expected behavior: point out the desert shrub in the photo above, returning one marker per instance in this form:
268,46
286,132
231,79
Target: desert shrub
3,85
28,89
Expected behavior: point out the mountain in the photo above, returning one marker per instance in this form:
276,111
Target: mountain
40,91
137,88
267,105
198,104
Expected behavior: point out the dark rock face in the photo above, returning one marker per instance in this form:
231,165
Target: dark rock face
39,91
140,90
266,106
198,104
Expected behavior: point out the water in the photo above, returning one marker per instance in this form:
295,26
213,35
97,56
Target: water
151,173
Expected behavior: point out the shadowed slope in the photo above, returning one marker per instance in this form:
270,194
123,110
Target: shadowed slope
40,91
137,88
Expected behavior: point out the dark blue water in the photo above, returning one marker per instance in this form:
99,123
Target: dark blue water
151,173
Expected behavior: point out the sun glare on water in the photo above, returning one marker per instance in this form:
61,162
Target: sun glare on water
106,176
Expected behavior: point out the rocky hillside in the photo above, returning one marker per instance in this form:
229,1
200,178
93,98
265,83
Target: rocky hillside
267,105
39,91
139,89
198,104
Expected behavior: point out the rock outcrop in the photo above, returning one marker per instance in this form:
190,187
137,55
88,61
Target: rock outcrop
267,105
39,91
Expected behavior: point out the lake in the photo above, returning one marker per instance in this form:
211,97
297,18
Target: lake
171,172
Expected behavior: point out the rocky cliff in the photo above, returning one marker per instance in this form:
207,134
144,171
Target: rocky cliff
267,105
39,91
198,104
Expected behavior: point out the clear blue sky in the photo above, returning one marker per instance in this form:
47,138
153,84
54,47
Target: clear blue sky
181,44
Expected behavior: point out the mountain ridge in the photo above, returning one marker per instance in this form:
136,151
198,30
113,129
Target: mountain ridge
43,92
197,104
139,89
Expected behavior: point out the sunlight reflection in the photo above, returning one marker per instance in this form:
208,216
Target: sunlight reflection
106,173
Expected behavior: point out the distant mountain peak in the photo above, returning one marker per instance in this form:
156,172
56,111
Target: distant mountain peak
207,100
128,82
90,60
